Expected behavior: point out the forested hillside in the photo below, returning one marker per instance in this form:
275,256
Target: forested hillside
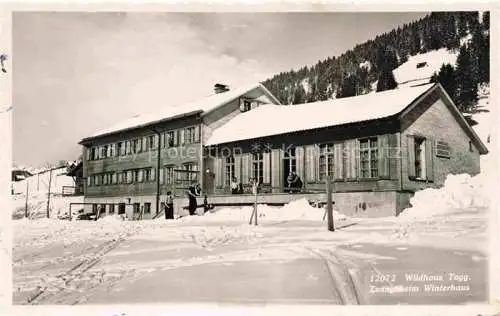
368,66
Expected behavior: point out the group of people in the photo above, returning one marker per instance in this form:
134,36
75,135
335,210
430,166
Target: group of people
294,185
193,192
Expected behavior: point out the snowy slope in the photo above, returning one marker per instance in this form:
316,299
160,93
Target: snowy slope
408,73
39,183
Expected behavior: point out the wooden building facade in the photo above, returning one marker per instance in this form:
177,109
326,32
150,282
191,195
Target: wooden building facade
377,160
376,165
129,170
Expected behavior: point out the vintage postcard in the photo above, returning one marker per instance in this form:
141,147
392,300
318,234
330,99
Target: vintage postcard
314,158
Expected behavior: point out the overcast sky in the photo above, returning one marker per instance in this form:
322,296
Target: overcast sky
75,73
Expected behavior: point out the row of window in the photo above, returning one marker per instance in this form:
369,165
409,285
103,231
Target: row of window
146,208
369,160
256,172
168,139
186,172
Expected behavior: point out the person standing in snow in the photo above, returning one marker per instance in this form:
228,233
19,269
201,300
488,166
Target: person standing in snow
192,194
169,206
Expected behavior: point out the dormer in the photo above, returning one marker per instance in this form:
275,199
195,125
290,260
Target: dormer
247,104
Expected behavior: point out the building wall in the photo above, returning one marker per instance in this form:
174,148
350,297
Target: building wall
438,123
172,156
346,151
225,113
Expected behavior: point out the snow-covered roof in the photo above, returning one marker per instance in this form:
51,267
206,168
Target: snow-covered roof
202,105
269,119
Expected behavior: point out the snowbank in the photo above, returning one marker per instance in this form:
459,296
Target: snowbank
295,210
459,193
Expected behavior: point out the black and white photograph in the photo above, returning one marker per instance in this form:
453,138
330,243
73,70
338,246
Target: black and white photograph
292,158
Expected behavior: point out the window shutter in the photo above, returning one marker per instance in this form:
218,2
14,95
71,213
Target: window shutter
140,177
411,156
153,174
429,159
351,158
181,136
275,167
218,172
162,175
237,167
338,166
176,137
383,156
89,150
155,141
223,168
267,167
109,151
197,134
245,168
139,145
310,173
299,156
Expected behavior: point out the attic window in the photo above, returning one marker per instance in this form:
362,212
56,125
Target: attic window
471,147
422,64
245,105
443,149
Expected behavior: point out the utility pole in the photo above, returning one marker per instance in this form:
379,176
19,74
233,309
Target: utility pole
27,194
329,204
158,160
48,195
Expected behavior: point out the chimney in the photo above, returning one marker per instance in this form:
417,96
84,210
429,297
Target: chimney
219,88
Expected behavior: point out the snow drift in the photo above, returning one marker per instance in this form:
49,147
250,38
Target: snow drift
295,210
459,193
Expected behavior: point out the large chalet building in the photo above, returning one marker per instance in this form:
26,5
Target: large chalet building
379,149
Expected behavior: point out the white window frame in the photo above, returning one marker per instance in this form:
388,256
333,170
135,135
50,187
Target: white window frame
373,158
329,155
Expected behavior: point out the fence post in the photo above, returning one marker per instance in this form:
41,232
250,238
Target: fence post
48,195
255,205
329,204
26,204
254,212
